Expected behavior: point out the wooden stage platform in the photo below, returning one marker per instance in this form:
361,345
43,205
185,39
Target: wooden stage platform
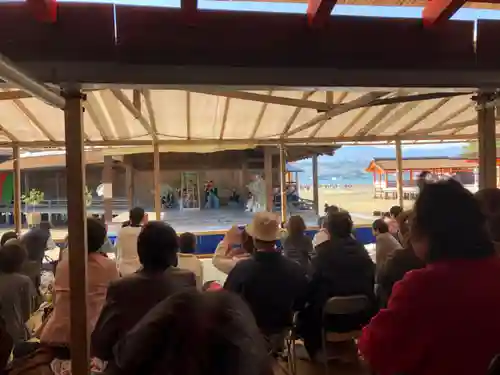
209,226
211,220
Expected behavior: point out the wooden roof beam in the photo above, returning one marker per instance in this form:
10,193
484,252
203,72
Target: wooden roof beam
129,105
319,11
43,10
437,11
330,141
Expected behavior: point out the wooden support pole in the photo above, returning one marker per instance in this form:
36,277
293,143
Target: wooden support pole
486,141
268,177
18,218
77,232
315,183
156,180
107,181
129,182
399,172
283,186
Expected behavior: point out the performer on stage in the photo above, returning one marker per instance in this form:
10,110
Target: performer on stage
257,202
212,198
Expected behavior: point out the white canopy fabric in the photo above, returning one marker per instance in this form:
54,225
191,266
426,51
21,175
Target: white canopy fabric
206,120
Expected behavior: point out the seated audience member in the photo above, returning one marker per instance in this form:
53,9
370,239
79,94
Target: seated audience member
10,235
197,334
236,245
17,292
423,180
398,263
100,272
297,246
271,284
187,260
211,286
131,297
392,220
36,241
341,267
322,235
417,333
126,242
489,201
6,344
385,242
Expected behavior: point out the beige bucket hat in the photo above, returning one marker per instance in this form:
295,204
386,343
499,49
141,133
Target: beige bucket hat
265,226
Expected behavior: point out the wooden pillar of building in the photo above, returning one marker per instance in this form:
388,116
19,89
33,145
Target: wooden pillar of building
399,173
486,141
244,181
156,180
268,177
283,183
107,183
129,183
18,218
77,232
315,183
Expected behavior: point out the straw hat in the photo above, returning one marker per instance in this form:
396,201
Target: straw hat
265,226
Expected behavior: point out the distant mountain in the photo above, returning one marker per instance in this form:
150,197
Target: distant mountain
348,164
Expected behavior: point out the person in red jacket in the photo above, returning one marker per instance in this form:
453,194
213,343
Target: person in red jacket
444,318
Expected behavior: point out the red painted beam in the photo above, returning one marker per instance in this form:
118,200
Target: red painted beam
43,10
437,11
319,11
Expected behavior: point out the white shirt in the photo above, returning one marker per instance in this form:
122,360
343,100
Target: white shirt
127,258
320,237
190,262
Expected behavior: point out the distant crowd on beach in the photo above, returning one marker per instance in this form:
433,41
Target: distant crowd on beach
327,186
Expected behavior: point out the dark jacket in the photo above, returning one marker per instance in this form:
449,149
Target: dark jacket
35,241
397,265
272,285
179,336
17,295
129,299
342,267
299,249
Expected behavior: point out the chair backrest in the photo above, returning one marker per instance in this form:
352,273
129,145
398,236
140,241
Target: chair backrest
346,305
494,368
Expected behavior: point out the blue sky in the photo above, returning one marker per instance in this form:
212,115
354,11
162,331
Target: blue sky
351,10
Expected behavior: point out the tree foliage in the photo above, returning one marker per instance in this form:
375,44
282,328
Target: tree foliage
33,197
88,196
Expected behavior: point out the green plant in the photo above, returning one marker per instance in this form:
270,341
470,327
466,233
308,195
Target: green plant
88,196
33,198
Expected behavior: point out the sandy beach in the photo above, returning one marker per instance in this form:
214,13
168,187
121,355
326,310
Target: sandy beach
358,200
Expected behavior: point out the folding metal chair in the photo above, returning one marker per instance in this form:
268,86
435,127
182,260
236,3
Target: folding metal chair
347,305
